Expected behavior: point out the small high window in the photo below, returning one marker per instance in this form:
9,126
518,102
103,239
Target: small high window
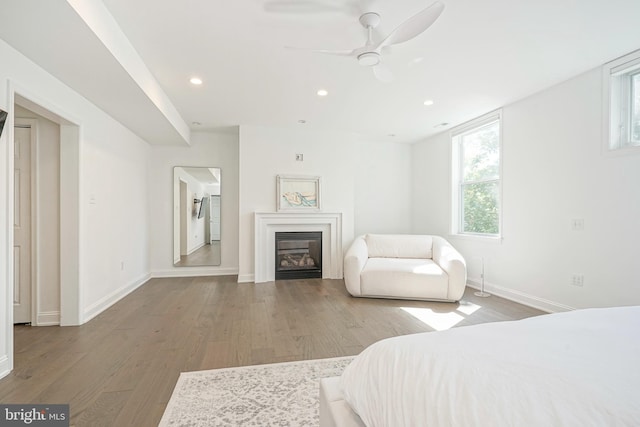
622,103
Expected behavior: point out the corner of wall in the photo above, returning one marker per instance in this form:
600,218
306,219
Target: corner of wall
5,366
104,303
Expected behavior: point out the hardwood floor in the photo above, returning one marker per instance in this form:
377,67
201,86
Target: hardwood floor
206,255
120,368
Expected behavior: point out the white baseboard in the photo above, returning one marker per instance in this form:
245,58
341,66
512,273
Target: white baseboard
5,368
98,307
194,272
48,318
246,278
520,297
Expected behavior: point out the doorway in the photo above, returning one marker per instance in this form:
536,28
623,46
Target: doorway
22,228
36,219
68,220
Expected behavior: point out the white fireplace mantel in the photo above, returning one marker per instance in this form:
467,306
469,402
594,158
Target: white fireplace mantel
268,223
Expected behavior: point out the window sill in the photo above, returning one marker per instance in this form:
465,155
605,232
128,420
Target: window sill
628,150
477,238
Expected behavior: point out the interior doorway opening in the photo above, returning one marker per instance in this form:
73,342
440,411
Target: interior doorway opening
36,219
69,215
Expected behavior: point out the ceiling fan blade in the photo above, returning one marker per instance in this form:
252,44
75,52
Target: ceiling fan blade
382,73
413,26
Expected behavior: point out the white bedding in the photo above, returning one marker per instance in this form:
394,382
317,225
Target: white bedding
580,368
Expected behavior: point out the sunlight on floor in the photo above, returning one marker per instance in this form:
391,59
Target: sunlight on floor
441,321
468,308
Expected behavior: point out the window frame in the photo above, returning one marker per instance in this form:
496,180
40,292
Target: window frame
457,205
618,107
633,94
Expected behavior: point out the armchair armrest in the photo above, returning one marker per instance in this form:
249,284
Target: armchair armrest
452,262
354,261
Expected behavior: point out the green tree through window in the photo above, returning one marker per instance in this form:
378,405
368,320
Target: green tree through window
479,179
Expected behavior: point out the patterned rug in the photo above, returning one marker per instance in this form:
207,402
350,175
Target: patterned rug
280,394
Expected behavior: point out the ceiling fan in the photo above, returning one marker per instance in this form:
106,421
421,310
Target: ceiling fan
369,55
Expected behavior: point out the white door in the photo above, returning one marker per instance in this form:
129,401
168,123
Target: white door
215,218
22,226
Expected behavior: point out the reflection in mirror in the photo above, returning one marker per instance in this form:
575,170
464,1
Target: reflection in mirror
196,219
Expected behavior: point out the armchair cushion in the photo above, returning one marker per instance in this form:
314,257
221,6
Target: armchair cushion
406,277
399,246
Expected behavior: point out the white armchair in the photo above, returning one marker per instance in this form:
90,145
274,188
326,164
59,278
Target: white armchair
404,266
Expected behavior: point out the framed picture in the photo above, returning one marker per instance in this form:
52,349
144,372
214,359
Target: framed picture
298,193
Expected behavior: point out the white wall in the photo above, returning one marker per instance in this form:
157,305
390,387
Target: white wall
208,149
430,188
382,195
114,170
113,207
358,178
554,170
267,152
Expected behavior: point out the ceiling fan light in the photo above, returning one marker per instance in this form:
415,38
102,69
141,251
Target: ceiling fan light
369,59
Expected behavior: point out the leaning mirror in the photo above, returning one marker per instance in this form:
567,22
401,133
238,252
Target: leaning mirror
196,216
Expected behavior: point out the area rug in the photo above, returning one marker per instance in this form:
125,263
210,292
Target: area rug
279,394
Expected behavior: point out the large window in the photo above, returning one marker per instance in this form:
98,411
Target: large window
622,103
476,177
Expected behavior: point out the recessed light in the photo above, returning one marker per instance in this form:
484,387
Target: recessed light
196,123
443,124
302,121
195,81
428,102
322,92
392,135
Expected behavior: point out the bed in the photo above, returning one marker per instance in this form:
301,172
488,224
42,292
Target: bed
579,368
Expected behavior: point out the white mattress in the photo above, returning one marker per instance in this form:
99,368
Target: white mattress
579,368
334,410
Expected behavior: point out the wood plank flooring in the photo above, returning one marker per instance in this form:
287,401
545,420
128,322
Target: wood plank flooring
208,254
120,368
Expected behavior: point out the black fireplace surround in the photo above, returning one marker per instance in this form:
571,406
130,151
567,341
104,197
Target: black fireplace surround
298,255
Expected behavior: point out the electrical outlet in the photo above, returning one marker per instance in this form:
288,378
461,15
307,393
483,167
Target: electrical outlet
577,280
299,157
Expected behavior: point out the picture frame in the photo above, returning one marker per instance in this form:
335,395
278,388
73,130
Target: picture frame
298,193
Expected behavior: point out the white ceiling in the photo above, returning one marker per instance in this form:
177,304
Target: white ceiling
207,176
478,56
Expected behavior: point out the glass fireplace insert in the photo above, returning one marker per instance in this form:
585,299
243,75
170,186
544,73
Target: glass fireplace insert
298,255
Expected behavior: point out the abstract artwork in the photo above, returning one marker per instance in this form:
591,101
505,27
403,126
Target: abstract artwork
298,193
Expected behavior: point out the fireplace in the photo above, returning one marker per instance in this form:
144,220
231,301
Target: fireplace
298,255
267,224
